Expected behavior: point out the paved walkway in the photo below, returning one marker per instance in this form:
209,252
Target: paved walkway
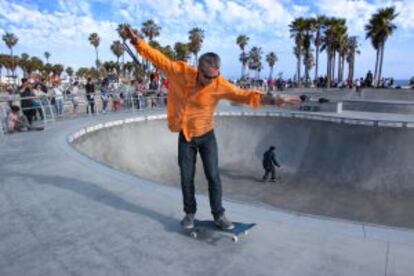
64,214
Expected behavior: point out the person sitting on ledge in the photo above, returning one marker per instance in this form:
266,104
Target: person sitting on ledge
192,99
16,122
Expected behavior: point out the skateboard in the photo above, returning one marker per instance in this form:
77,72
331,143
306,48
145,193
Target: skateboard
204,226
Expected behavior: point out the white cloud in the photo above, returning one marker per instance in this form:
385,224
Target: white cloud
66,29
75,7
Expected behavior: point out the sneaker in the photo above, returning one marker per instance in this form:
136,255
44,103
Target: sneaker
188,221
223,223
273,180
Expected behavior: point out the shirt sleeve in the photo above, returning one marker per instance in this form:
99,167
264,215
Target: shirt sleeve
275,161
157,58
238,95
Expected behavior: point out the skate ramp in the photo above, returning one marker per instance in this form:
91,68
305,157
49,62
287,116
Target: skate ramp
353,172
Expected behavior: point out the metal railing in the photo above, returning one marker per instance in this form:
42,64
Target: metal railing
46,109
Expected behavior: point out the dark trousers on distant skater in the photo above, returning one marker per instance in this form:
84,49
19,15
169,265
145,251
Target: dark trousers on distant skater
206,145
269,170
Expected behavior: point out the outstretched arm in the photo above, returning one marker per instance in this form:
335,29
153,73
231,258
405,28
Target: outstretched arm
275,161
255,98
153,55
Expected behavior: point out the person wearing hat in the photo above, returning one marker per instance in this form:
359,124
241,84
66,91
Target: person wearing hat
269,163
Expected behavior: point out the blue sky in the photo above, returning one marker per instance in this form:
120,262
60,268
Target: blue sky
62,27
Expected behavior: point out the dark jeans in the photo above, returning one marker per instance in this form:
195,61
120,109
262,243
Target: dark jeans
206,145
92,105
268,171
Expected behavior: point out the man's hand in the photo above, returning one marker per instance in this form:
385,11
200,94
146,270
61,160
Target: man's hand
131,34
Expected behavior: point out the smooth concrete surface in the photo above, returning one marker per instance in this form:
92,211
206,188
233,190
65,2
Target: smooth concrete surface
365,170
62,213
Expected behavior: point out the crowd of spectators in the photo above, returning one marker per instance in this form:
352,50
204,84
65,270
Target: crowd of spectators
35,98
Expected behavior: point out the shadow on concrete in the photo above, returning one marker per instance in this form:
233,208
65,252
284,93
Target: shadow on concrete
236,175
92,191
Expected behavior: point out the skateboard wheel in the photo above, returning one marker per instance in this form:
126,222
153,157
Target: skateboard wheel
235,239
193,235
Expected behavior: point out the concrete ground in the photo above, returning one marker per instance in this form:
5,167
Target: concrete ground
62,213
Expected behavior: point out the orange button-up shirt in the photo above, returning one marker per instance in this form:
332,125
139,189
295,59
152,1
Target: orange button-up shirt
190,108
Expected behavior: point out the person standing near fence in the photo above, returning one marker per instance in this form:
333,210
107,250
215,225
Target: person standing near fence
104,94
38,107
90,96
75,96
26,101
58,95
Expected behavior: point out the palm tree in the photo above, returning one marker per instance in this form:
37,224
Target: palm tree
117,49
255,60
196,37
297,30
342,51
109,66
57,69
307,47
350,56
129,67
244,59
122,34
271,59
379,28
95,40
69,71
318,26
168,51
335,30
36,64
23,63
47,56
182,51
11,40
242,41
150,29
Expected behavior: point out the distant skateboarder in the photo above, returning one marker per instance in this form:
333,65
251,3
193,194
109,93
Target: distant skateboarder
192,98
269,163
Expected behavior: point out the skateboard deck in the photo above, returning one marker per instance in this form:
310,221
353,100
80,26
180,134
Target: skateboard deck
203,226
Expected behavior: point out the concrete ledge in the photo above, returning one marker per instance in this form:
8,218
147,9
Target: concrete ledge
280,113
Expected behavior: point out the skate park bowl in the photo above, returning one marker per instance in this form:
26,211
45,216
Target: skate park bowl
347,169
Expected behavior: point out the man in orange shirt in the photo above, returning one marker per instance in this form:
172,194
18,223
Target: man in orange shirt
192,98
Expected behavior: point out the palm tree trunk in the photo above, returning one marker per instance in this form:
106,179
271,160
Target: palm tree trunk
271,73
328,67
298,69
97,57
380,63
342,68
339,67
123,62
376,67
12,61
333,65
316,62
118,68
243,66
